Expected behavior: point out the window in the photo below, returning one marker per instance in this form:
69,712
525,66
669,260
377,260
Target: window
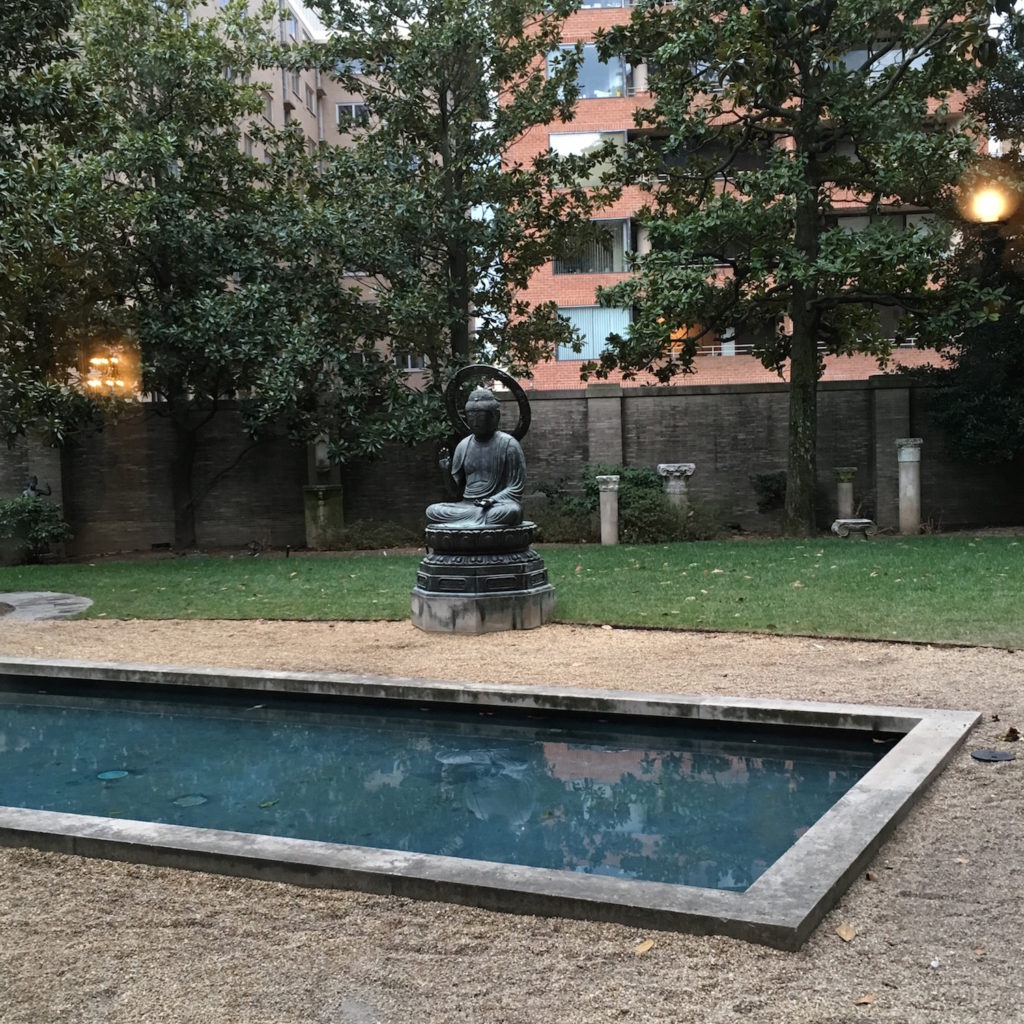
595,323
296,82
586,144
876,57
409,361
352,113
310,99
707,154
852,223
268,107
603,254
289,22
247,145
598,80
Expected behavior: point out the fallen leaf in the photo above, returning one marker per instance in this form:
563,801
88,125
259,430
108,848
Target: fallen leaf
797,584
865,1000
606,627
292,575
1012,735
644,947
267,803
979,951
871,876
995,718
846,932
961,860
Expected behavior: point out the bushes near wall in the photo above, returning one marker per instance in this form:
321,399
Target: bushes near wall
646,516
29,527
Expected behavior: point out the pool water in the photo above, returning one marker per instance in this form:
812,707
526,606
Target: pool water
649,799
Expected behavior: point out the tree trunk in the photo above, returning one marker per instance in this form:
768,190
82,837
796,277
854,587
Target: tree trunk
799,519
804,367
182,466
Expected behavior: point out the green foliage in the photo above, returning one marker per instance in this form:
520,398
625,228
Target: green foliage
766,118
456,233
32,522
374,535
645,514
48,273
980,401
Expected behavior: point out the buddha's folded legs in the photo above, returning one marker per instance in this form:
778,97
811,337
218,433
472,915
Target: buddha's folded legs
467,514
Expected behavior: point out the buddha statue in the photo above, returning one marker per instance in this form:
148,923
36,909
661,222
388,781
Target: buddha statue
488,470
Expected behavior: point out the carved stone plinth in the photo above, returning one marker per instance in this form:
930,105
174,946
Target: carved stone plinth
325,516
675,476
608,487
908,455
844,490
859,528
481,581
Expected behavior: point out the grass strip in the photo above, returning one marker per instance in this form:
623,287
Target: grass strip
959,589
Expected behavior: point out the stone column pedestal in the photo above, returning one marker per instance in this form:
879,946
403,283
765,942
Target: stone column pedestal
844,490
609,487
325,516
675,475
908,454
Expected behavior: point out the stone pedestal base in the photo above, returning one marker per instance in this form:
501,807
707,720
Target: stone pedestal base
481,581
477,613
325,516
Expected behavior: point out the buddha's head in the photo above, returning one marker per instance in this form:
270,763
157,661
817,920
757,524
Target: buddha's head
482,413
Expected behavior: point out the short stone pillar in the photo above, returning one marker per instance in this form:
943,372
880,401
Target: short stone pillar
609,487
325,516
675,475
908,454
844,490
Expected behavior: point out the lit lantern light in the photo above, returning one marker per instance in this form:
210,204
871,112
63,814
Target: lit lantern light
989,205
104,374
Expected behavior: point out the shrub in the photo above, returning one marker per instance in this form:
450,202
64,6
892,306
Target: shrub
367,534
33,524
646,516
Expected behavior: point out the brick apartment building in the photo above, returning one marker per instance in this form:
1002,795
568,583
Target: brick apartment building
610,94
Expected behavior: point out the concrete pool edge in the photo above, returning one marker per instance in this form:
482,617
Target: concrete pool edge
781,909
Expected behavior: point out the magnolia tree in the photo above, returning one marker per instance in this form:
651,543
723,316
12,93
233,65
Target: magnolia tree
981,396
768,121
215,257
452,229
48,268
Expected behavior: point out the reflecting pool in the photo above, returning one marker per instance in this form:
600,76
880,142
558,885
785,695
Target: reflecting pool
670,801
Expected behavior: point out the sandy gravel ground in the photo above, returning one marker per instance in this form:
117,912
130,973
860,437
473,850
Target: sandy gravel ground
940,936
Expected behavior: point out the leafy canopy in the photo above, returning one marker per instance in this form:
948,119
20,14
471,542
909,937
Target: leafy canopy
767,122
451,228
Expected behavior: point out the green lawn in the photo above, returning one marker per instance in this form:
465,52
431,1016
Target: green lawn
959,589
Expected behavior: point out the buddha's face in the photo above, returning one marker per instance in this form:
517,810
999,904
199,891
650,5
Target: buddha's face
483,418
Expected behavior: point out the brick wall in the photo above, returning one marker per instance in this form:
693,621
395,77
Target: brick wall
117,493
116,486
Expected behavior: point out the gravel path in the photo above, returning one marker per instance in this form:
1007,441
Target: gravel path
938,920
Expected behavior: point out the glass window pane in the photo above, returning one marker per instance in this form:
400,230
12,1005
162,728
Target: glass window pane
603,254
586,144
595,323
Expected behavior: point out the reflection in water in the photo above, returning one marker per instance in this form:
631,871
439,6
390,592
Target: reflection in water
655,801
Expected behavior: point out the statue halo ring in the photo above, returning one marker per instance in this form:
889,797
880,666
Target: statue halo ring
456,415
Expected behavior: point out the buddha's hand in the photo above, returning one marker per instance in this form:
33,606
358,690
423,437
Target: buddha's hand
484,502
445,460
